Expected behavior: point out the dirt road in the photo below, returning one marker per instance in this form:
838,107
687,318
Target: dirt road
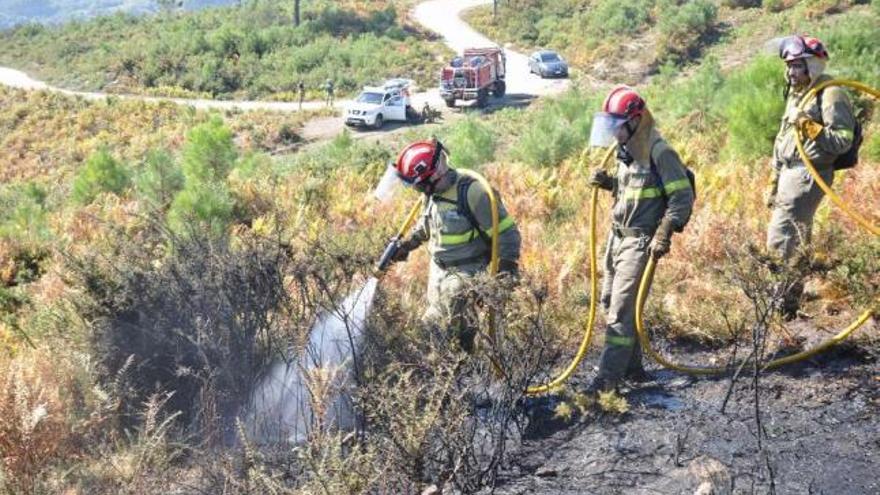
440,16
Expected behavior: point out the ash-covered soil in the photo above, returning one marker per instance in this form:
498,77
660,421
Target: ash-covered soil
820,418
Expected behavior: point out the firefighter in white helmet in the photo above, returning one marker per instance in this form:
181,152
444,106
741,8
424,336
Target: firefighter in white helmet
826,125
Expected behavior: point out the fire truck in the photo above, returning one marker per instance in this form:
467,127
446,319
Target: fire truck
472,76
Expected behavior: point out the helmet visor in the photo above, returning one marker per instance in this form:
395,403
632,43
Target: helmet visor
388,184
793,48
604,129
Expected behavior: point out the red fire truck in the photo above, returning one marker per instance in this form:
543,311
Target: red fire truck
473,76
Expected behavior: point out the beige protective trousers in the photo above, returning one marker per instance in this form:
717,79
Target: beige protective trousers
625,261
794,206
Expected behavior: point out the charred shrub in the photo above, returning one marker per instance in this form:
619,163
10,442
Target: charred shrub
439,415
195,314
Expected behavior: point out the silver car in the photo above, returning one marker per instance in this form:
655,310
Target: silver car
547,63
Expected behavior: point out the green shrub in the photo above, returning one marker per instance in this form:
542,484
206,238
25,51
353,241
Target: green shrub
471,143
558,130
751,104
101,173
23,212
616,18
159,179
672,98
208,156
852,45
682,26
741,4
209,153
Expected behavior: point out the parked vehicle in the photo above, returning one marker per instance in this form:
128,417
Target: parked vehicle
478,72
378,104
547,63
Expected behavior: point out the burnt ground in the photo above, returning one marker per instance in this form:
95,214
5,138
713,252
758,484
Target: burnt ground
820,417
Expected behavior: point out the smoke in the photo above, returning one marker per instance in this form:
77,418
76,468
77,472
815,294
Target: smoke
315,389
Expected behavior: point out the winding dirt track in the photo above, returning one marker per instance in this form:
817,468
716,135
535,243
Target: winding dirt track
440,16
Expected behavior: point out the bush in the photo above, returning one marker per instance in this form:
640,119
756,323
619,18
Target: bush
751,105
617,18
558,130
471,143
852,45
682,26
159,179
101,173
741,4
208,157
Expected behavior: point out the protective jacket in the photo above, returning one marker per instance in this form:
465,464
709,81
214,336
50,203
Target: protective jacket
452,234
652,186
836,117
797,195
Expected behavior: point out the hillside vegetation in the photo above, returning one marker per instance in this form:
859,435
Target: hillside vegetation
249,52
624,41
154,260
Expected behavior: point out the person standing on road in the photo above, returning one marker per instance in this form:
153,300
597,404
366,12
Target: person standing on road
653,198
301,92
328,87
827,127
456,223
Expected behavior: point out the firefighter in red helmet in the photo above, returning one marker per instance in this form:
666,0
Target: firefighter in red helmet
456,224
653,198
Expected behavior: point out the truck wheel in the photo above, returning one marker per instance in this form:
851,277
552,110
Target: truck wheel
500,89
379,122
450,102
482,98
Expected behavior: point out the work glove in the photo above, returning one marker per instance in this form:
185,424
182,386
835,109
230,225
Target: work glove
772,187
806,125
662,241
406,246
600,178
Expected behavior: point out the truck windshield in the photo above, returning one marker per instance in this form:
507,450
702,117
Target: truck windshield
372,98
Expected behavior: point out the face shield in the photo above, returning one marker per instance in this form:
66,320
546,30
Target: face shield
388,184
604,130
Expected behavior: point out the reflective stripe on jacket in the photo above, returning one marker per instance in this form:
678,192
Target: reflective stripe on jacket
642,197
452,237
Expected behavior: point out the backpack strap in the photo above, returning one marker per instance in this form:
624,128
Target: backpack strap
465,209
654,169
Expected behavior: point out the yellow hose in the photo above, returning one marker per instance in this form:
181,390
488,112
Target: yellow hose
648,276
493,205
556,382
809,164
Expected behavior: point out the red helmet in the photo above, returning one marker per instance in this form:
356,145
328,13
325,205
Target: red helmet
418,161
798,47
623,101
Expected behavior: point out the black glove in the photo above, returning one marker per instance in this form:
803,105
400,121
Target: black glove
600,178
404,248
509,267
662,241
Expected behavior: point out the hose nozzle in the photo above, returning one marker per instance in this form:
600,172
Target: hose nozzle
388,255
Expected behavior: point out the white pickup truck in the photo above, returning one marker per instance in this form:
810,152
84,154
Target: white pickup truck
378,104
